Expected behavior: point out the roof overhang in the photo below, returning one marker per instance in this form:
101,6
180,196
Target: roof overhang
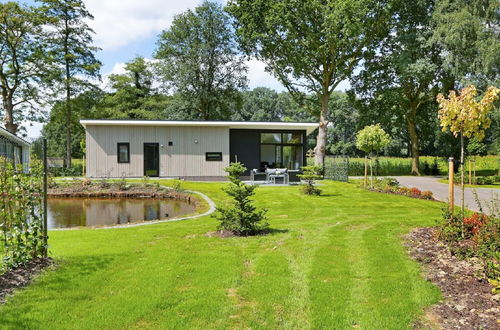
308,127
12,137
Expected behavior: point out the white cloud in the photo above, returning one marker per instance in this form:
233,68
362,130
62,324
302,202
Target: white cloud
258,77
120,22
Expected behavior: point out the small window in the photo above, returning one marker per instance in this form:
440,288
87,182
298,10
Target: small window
170,143
213,156
270,138
124,152
292,138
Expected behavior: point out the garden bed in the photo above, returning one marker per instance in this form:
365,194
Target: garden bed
469,302
21,276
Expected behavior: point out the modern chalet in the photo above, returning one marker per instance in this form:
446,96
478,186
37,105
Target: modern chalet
191,149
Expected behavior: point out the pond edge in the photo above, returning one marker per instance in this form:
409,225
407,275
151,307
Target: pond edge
211,210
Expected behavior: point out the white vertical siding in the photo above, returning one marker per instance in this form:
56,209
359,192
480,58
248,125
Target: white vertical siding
184,158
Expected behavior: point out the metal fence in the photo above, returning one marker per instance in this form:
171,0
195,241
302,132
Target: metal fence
337,168
23,208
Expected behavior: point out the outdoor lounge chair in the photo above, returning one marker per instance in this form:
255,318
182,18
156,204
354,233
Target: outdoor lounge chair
272,174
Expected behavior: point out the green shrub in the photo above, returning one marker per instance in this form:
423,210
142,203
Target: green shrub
20,214
74,170
477,235
310,173
485,180
241,217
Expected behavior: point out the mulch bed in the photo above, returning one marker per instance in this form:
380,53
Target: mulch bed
222,234
22,276
468,299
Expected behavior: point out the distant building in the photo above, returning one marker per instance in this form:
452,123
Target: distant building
14,148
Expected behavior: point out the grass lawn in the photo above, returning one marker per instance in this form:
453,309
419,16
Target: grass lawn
337,261
493,186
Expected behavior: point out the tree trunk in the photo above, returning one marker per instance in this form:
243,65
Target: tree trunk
462,170
68,92
320,149
68,120
9,115
415,162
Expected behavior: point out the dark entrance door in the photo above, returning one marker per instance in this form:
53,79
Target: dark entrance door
151,159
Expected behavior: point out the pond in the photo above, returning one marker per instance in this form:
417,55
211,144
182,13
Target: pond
97,212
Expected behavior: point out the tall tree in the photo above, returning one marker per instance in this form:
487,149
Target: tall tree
468,32
402,74
260,104
73,50
310,46
133,95
23,62
84,106
199,61
344,119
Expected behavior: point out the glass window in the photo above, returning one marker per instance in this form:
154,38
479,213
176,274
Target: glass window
18,154
292,138
270,155
213,156
124,152
270,138
292,157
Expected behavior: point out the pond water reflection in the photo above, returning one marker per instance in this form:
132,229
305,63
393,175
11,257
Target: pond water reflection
95,212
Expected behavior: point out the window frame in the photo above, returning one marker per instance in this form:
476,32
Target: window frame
119,144
219,154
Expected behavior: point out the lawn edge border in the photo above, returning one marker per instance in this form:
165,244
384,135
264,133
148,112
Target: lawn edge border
212,208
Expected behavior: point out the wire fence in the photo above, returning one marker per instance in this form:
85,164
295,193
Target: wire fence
23,202
337,168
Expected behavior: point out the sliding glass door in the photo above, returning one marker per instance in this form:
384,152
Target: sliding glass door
281,150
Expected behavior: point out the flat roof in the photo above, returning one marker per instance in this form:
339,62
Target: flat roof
308,127
13,137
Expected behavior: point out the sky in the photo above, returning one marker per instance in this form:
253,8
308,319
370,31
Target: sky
125,29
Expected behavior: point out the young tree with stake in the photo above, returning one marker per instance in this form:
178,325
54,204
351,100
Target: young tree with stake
371,139
467,117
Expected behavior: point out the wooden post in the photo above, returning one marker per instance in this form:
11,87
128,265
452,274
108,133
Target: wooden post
451,191
366,171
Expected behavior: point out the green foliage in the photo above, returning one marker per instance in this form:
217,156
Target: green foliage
241,217
476,147
477,235
261,104
24,63
311,173
71,48
200,62
83,107
74,170
133,95
466,31
20,216
310,45
372,139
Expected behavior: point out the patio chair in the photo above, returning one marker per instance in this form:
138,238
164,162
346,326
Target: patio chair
255,173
